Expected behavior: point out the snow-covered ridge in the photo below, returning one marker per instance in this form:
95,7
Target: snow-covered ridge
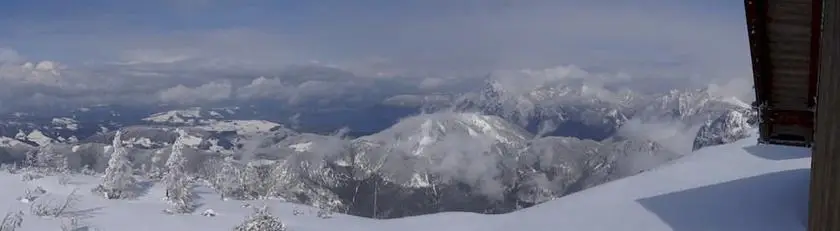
557,106
220,136
190,116
187,116
422,131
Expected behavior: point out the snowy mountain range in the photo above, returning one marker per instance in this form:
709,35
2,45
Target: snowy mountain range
494,150
770,195
575,108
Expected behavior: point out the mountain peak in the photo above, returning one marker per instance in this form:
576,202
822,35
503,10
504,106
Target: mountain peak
419,133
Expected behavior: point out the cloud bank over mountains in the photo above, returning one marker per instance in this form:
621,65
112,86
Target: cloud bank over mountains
194,52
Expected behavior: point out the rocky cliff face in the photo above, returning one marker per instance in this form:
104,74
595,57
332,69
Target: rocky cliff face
729,127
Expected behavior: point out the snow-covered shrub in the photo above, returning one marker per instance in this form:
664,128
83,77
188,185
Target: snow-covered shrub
209,213
30,195
244,181
296,211
29,176
64,179
258,180
157,162
230,180
325,213
71,224
11,221
119,182
261,220
53,208
11,168
88,170
50,159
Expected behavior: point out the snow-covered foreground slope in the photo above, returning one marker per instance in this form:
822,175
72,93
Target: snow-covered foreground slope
737,186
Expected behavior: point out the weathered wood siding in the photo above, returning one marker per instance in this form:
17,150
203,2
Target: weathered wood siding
824,203
781,36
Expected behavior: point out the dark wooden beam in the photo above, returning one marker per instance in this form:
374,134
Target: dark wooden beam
814,65
756,12
824,201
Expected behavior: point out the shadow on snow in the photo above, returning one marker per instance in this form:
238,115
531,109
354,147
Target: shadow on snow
773,201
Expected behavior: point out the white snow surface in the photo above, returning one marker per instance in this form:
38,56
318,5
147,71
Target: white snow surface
38,137
240,126
185,116
736,186
9,142
66,123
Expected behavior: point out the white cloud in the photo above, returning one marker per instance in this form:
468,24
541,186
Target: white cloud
432,83
47,73
648,37
522,81
438,46
741,88
153,56
212,91
231,48
9,56
276,88
173,80
675,136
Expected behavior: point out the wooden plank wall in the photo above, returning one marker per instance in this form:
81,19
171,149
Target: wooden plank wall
782,49
824,201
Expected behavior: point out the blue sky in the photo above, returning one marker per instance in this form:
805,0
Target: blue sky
677,39
346,30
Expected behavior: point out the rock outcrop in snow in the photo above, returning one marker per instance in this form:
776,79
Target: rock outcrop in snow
729,127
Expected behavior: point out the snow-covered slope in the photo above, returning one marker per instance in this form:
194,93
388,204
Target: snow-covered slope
737,186
480,157
419,133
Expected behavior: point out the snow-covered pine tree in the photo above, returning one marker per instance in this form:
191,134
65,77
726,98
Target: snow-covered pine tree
178,191
261,220
118,182
31,158
50,159
229,179
284,180
176,157
157,166
257,179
